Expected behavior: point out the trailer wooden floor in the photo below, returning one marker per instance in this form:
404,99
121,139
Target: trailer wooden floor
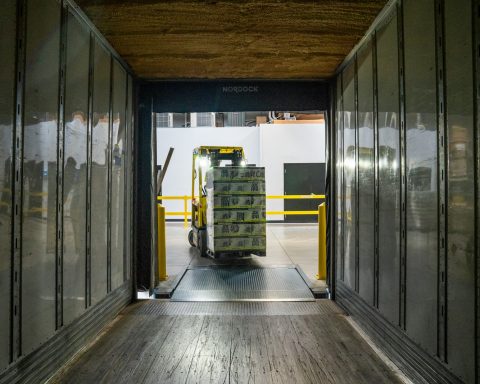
251,342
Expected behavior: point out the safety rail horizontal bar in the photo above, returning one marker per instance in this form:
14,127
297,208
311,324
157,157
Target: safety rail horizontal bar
322,265
174,197
285,197
178,213
295,197
186,214
291,212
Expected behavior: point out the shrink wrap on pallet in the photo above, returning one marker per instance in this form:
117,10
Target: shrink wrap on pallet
236,229
235,174
253,215
236,210
238,187
238,244
234,201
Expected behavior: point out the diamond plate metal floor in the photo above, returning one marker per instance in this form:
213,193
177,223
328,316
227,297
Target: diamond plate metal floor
242,283
237,308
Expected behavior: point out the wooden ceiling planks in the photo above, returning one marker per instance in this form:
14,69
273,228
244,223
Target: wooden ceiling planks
233,39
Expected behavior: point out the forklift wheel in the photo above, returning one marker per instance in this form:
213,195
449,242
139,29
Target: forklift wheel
202,243
190,238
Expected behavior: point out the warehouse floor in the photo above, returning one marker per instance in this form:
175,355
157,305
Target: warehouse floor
287,245
156,341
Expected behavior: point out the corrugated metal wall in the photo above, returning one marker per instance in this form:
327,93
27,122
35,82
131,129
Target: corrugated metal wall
407,163
65,174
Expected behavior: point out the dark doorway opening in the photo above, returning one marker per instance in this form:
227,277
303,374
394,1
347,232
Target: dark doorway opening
303,179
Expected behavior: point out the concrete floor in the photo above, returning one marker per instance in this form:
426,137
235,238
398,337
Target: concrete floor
287,245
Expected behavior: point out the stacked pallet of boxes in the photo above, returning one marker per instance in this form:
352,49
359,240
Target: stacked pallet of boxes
236,220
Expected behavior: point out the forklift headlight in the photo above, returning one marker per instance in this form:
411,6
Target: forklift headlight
243,163
204,162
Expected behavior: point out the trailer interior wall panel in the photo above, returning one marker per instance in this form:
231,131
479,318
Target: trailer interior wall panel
62,138
349,180
388,171
39,173
118,173
460,242
366,175
424,311
75,171
100,168
339,178
129,184
421,176
7,89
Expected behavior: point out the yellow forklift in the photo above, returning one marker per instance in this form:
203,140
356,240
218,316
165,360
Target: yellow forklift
205,157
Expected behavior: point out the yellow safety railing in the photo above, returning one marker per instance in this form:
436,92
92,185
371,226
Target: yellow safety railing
186,214
322,228
294,197
161,244
322,242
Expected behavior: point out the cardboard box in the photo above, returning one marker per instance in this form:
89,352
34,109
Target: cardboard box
236,217
239,187
235,201
236,230
215,174
218,216
237,244
261,120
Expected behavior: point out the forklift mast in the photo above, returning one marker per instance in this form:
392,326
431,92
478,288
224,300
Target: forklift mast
205,157
209,156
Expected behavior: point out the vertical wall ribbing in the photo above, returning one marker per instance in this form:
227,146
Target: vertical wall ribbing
16,311
376,176
403,167
60,167
331,123
476,88
342,215
442,182
131,154
125,162
133,186
356,181
109,183
88,270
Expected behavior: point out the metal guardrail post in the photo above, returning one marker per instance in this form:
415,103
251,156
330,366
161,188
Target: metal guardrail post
322,242
185,216
162,247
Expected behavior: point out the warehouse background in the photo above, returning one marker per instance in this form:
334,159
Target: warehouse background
266,145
